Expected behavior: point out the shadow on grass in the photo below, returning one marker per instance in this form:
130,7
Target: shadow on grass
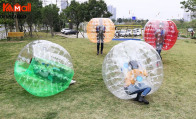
50,115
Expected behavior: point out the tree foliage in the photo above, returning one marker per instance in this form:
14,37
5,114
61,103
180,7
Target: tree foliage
34,16
31,17
50,16
80,12
75,13
96,8
119,20
8,22
184,25
189,5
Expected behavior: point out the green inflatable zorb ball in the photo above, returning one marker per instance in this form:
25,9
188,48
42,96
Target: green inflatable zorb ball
43,68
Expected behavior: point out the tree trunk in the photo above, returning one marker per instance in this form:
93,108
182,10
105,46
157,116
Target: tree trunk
6,31
70,25
51,31
16,19
30,32
10,27
77,25
16,22
21,28
47,28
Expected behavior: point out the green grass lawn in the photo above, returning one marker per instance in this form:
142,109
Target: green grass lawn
89,97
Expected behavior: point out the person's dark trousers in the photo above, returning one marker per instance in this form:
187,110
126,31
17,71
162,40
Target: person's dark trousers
159,52
98,44
143,91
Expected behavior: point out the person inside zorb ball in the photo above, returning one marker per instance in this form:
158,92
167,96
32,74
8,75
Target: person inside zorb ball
100,31
43,68
134,84
160,37
132,69
161,34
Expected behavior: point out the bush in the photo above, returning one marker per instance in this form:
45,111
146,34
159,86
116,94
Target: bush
194,37
184,36
57,28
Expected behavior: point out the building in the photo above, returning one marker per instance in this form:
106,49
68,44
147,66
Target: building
112,10
188,16
61,4
193,13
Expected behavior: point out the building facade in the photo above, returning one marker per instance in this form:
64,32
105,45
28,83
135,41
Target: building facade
61,4
112,10
188,16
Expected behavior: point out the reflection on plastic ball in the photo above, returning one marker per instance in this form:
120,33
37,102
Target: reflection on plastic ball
43,68
108,25
169,30
116,67
139,78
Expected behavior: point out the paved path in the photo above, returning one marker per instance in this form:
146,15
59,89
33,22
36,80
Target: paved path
183,38
2,33
72,36
2,29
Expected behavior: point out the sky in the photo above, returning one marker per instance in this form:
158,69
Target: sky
147,9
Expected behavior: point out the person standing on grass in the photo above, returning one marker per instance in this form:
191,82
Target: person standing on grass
100,30
160,36
192,33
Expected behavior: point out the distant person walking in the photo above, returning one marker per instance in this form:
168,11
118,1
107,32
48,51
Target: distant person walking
192,33
100,30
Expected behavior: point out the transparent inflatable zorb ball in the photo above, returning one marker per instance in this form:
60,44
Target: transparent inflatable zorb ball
43,68
100,30
161,32
116,67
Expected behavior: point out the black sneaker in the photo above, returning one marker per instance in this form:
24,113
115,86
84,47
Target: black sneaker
142,99
137,98
97,53
101,52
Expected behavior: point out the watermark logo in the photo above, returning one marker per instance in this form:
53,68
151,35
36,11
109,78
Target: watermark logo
7,7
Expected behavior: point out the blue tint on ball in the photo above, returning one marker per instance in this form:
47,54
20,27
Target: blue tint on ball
126,65
139,78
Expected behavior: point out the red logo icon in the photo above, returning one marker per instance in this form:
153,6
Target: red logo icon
17,8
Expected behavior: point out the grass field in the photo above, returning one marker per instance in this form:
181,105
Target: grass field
89,97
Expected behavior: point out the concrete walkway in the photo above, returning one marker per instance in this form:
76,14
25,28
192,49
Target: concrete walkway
72,36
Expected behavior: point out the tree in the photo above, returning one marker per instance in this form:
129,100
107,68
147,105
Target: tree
189,5
50,16
13,2
34,16
17,21
125,20
75,13
114,20
193,23
119,20
96,8
8,22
